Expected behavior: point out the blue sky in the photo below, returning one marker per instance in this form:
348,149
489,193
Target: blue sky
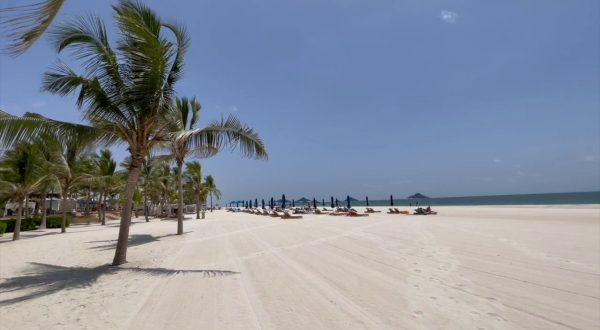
447,98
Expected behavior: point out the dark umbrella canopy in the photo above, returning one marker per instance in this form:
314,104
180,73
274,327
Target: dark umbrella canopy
283,201
315,203
337,202
256,203
332,205
263,203
367,199
293,205
323,202
272,203
303,200
348,201
391,200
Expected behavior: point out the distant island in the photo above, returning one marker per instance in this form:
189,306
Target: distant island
418,195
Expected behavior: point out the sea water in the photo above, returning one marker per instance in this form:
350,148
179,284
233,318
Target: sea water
592,197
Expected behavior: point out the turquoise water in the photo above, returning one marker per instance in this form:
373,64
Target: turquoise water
592,197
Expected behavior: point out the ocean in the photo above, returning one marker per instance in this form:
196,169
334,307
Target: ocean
592,197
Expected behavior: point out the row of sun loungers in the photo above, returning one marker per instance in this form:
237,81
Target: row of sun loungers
340,211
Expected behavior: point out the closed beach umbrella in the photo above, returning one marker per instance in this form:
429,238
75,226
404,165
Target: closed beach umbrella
263,203
391,200
367,199
348,201
272,203
323,202
256,203
337,202
332,206
283,201
315,203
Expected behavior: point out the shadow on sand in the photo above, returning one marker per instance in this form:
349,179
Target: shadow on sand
134,240
44,279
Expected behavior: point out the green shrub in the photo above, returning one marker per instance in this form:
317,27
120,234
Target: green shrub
33,223
26,224
2,227
55,221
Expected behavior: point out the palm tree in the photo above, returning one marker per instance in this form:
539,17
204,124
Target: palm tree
193,174
106,179
72,168
127,95
184,141
147,177
211,189
46,147
20,176
25,24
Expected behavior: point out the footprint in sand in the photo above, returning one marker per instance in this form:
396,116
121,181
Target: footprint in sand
496,316
417,314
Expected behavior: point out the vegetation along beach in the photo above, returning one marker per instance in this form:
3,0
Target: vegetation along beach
299,165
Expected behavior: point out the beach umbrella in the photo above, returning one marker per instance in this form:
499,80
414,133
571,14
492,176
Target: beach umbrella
256,203
332,206
315,203
323,202
272,203
391,200
348,201
337,202
293,205
367,199
283,201
263,203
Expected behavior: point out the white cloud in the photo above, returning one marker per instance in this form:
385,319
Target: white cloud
449,16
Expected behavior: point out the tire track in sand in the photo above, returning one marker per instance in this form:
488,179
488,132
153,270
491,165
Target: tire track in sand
302,275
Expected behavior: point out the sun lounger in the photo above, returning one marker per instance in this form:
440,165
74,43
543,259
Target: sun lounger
370,210
391,211
401,212
287,215
422,211
354,213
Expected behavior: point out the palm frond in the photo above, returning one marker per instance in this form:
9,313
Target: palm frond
226,133
23,25
14,129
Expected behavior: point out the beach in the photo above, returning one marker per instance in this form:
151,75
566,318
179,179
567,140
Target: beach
465,268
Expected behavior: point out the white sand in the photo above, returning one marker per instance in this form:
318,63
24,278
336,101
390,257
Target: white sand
467,268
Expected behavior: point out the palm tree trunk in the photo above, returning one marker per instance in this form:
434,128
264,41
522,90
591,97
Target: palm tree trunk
180,199
17,231
211,205
103,208
132,178
146,205
43,209
198,208
26,207
63,224
100,207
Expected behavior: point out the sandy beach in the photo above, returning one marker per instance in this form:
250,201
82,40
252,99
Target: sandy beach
466,268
